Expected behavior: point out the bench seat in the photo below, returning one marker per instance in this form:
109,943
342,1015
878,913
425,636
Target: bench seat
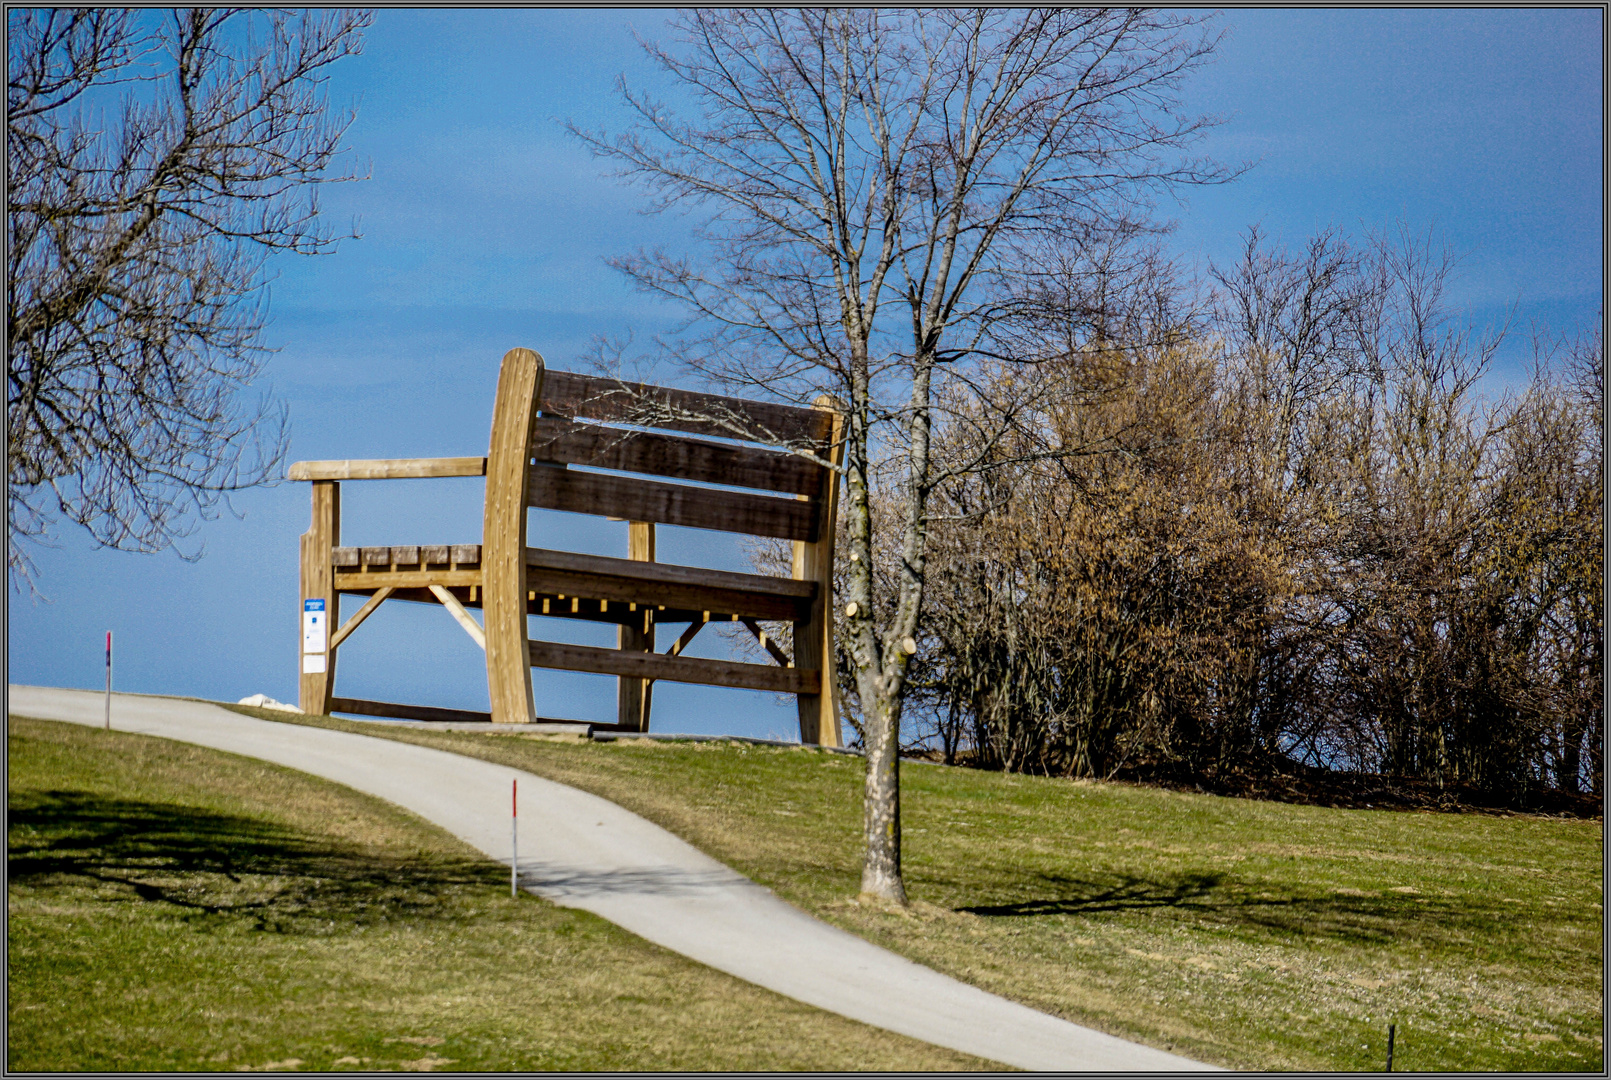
566,584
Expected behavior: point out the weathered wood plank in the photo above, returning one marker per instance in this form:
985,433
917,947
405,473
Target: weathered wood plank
463,554
406,712
628,497
669,594
388,468
669,573
568,394
649,665
569,443
671,597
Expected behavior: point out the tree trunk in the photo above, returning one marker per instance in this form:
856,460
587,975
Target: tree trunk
881,813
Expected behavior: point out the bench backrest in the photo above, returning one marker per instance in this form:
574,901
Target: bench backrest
550,428
601,423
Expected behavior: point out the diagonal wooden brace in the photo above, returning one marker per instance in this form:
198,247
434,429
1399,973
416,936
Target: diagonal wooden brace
687,635
363,613
767,643
456,609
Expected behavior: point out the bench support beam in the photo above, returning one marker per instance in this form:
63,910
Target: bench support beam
633,695
767,643
363,613
463,618
317,577
503,538
813,635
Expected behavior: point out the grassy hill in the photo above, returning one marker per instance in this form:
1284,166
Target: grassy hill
1249,934
176,908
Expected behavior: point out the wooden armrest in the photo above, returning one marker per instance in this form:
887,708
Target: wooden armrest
389,468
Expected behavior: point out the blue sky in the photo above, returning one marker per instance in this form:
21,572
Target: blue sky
484,226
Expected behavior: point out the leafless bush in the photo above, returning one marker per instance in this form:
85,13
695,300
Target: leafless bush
1294,535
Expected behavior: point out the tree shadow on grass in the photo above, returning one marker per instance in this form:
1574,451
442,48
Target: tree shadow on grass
222,868
1076,896
1272,910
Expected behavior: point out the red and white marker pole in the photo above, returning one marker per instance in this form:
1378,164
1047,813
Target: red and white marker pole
514,833
109,680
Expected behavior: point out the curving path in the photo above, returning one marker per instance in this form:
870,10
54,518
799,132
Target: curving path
582,851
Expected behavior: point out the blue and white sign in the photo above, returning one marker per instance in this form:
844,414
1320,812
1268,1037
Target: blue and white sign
313,626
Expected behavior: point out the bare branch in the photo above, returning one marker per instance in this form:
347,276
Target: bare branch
153,160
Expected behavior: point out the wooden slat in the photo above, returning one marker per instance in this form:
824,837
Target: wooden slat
389,468
649,665
406,712
758,597
681,597
669,573
563,441
463,554
568,394
403,579
619,613
672,504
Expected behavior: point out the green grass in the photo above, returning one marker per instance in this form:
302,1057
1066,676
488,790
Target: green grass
1248,934
176,908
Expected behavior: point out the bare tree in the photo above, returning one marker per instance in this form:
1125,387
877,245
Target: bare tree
153,160
872,182
1297,536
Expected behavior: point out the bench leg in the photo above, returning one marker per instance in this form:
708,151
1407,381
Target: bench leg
317,670
632,696
819,719
813,637
503,539
813,646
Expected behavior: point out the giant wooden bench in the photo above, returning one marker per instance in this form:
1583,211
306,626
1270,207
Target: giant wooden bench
550,433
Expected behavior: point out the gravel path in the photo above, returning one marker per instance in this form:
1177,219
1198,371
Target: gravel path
582,851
